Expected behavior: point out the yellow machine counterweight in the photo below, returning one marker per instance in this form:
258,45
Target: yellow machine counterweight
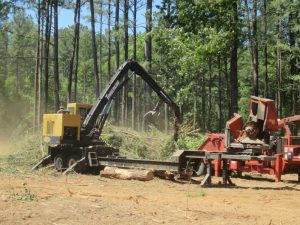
64,125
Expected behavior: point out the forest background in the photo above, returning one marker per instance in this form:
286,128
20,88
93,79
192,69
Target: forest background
210,56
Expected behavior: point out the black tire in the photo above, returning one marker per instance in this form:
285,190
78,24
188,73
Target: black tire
94,170
80,167
71,160
59,162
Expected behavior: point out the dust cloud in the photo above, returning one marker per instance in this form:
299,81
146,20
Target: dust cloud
14,114
5,146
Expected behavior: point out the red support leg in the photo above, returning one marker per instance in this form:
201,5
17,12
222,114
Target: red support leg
217,167
278,167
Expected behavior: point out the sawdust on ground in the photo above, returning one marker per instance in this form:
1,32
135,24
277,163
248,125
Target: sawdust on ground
89,199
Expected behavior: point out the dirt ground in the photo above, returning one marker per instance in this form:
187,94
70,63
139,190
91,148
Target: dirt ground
90,199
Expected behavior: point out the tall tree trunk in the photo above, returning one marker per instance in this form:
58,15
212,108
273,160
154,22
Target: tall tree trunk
133,110
117,42
100,45
125,88
96,74
219,94
255,50
252,36
203,102
148,53
18,82
293,62
278,72
4,74
148,39
77,52
108,42
166,109
266,90
233,61
55,51
278,80
195,111
228,91
37,64
71,65
117,47
167,14
41,64
46,54
209,95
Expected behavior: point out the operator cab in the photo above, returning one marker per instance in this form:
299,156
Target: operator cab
81,109
262,119
263,112
254,135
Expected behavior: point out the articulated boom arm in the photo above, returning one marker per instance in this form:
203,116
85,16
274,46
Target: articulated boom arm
288,120
285,122
103,103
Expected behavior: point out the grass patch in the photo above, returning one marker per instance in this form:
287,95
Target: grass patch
25,195
197,194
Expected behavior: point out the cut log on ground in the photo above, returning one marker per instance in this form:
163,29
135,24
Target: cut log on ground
127,174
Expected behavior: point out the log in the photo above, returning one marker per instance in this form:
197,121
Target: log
127,174
164,174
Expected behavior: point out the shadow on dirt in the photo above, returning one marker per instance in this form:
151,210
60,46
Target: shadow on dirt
220,185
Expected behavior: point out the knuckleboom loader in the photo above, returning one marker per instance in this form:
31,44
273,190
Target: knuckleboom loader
72,135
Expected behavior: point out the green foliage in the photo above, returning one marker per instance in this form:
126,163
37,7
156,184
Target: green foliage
169,148
133,144
5,7
114,140
191,142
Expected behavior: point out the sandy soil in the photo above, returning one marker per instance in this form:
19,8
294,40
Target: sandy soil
88,199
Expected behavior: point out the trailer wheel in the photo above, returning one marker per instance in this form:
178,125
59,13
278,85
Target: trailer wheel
59,162
72,159
80,167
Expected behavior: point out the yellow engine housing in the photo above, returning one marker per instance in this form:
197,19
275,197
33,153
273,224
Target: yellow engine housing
64,126
58,127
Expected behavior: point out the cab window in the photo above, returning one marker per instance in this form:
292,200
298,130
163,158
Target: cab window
83,113
71,110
